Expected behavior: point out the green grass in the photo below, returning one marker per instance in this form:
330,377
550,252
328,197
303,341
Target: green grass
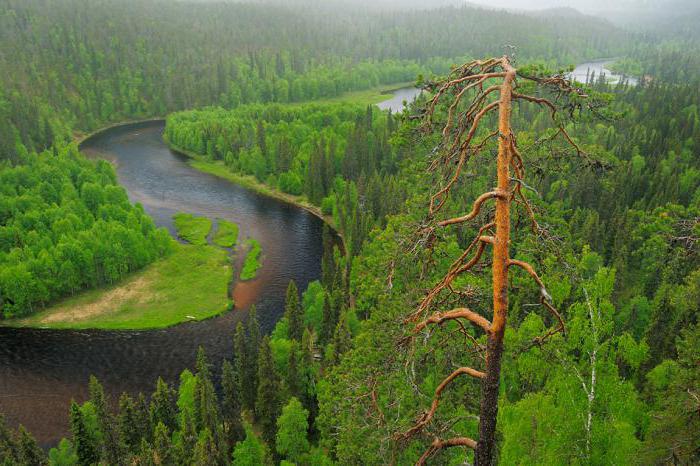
192,229
189,284
253,260
226,234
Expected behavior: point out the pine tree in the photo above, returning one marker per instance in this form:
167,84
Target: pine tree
293,313
267,405
84,445
231,403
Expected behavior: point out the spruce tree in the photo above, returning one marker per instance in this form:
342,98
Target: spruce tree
162,447
205,400
162,407
231,403
186,440
205,451
293,313
342,339
143,416
329,320
328,266
111,446
252,349
84,444
241,360
8,447
293,380
306,375
267,405
29,452
128,424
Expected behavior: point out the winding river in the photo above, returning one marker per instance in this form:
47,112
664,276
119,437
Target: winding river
42,370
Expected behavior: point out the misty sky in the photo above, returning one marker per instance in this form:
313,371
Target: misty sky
581,5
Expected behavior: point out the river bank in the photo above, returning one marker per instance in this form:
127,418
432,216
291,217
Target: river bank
217,168
189,284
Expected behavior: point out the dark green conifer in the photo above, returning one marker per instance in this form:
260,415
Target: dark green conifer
267,406
293,313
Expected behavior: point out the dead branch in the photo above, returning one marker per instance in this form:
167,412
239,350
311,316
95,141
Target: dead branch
427,416
440,444
475,209
439,317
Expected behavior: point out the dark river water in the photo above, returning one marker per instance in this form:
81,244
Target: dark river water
42,370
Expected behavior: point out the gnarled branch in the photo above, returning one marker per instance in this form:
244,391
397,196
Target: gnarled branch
440,444
461,313
475,209
427,416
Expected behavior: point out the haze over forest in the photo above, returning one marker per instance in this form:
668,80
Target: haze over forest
349,232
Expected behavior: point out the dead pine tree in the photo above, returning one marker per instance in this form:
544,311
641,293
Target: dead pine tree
472,95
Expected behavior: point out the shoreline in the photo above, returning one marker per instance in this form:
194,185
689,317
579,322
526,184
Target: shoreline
249,182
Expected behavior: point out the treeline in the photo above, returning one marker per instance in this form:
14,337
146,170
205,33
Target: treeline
66,226
78,64
338,156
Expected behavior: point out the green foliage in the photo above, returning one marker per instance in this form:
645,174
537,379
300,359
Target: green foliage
226,234
293,313
191,282
63,455
268,402
292,425
253,260
231,403
66,226
185,397
251,451
192,229
328,152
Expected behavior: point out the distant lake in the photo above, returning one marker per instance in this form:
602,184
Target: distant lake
396,102
600,67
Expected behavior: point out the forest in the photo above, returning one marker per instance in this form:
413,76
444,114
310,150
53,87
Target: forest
366,364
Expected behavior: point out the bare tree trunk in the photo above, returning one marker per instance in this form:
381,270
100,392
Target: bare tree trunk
501,259
461,142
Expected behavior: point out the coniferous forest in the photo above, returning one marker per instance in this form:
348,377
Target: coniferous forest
504,270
